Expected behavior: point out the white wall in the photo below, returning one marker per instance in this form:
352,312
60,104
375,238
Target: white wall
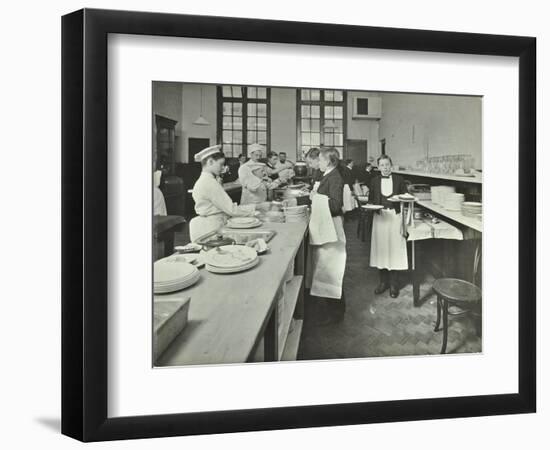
363,128
415,126
283,121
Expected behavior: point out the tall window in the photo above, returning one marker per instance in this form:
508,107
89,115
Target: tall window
243,118
321,119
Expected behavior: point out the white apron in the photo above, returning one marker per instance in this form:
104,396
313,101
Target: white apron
201,225
349,200
388,247
326,262
249,197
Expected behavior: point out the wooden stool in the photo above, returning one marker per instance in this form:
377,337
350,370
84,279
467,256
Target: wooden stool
454,292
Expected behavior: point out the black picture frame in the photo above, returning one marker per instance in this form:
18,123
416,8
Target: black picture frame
84,224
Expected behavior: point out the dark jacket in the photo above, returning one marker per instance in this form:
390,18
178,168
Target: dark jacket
347,175
375,190
332,185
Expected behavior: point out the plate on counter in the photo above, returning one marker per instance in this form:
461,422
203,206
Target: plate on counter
230,256
372,207
220,270
243,222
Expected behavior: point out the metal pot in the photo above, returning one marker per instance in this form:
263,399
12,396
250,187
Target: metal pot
300,169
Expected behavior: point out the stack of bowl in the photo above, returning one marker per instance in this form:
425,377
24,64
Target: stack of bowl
295,213
471,209
453,202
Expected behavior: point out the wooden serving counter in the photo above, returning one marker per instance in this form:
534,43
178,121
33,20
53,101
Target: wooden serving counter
233,318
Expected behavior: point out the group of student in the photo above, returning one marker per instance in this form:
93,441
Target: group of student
327,255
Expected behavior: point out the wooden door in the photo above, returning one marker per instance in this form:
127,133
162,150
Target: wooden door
357,149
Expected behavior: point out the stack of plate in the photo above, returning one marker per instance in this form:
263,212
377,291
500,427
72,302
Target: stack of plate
244,222
295,213
439,193
453,202
471,209
230,259
171,274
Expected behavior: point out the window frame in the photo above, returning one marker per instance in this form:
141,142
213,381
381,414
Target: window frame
245,101
322,103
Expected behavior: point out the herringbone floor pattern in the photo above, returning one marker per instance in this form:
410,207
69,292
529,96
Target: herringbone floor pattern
377,325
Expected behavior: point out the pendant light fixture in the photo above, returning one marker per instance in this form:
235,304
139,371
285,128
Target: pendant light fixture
201,120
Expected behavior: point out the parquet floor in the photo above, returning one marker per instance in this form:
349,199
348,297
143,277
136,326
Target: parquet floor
377,325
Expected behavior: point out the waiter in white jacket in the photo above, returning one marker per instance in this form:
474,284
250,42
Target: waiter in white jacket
212,204
254,179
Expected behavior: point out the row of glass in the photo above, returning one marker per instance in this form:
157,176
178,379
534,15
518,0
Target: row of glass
448,164
238,92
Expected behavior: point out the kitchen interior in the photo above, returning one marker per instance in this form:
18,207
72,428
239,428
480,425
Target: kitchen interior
265,313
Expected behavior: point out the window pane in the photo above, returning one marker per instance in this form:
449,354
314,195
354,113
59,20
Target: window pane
227,123
251,137
305,125
329,96
252,123
262,137
251,92
329,139
226,91
227,150
238,123
329,112
315,94
252,109
237,137
305,94
237,150
338,139
237,91
227,136
338,96
338,112
227,110
306,111
237,109
306,139
262,110
315,111
339,126
316,139
315,124
262,123
262,92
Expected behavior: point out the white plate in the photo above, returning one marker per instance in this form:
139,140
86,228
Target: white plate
243,220
255,224
222,270
230,256
166,271
373,207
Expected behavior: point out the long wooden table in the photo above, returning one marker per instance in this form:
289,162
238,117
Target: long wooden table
230,314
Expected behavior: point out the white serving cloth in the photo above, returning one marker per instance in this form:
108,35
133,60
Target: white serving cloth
159,205
388,246
349,200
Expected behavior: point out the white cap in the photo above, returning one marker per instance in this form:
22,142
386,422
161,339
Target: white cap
256,148
205,153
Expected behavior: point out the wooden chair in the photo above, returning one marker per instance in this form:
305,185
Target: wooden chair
464,296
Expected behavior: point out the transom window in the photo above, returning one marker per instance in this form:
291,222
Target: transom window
321,119
243,118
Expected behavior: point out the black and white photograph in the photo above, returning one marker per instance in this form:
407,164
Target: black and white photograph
300,224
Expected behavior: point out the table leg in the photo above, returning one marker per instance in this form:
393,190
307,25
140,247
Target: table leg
415,277
271,338
438,318
445,325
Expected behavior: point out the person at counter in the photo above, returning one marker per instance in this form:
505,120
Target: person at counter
254,179
284,163
388,246
242,159
272,169
327,238
212,204
312,160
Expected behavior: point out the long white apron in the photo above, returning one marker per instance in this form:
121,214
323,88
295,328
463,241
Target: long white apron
199,225
327,252
388,247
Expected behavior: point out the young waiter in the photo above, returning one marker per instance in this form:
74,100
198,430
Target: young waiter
388,246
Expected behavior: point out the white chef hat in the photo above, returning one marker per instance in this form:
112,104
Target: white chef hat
256,148
205,153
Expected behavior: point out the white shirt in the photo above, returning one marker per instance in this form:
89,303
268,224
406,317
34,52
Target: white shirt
284,165
210,198
387,186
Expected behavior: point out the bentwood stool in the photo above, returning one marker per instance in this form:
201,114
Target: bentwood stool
464,296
